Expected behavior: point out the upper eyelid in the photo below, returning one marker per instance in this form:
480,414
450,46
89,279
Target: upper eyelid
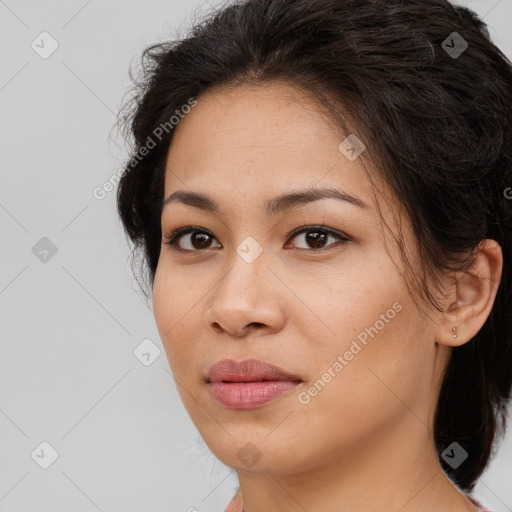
320,227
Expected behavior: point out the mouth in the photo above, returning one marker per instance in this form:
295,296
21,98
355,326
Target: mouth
248,370
247,381
248,384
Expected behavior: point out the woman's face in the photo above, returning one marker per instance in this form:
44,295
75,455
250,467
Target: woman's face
333,313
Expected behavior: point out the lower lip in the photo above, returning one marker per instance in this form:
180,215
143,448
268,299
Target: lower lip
249,395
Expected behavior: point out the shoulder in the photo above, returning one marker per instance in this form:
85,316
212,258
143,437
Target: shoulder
235,505
481,508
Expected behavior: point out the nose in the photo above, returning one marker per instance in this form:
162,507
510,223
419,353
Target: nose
247,299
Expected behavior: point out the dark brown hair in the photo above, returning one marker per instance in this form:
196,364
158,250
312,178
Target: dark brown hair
438,127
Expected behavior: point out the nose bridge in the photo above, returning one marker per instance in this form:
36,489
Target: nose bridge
247,264
241,297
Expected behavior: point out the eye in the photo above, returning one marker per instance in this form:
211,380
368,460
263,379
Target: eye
317,236
199,240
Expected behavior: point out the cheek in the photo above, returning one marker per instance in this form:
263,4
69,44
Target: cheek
162,303
371,347
371,374
351,298
173,311
176,298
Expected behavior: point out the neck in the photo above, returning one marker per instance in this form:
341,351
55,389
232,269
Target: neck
390,472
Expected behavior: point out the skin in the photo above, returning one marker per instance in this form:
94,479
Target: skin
365,441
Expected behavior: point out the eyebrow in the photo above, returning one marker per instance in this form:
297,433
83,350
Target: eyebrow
274,206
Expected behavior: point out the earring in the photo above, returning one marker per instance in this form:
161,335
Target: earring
454,330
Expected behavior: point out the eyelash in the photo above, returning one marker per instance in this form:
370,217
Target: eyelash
174,237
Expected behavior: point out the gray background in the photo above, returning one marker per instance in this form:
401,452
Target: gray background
70,323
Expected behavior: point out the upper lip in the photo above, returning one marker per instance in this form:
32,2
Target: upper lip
248,370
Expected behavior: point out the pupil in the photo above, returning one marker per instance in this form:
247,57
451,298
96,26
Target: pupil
201,243
317,239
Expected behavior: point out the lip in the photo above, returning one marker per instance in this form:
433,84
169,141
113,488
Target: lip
249,383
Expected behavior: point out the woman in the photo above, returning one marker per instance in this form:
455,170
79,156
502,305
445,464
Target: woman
321,192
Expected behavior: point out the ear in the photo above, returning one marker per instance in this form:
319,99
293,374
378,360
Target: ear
471,298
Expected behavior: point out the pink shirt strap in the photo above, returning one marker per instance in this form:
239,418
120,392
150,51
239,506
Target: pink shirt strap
235,505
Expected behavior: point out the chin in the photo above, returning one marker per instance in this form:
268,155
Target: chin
254,453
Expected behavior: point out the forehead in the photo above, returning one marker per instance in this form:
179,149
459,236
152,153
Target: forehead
260,141
275,116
